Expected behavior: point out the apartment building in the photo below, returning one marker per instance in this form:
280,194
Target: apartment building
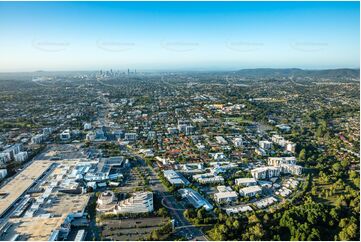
250,191
246,182
266,172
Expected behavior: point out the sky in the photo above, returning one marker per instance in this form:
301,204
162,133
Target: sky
54,36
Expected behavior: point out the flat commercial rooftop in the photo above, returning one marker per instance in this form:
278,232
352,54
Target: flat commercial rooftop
17,186
36,228
68,203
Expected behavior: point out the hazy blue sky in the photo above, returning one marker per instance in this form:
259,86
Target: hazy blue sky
171,35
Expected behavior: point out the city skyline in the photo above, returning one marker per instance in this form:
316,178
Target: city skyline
55,36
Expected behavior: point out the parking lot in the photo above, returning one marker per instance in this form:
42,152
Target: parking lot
131,228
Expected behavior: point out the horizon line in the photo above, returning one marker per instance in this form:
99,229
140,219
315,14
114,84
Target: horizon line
186,69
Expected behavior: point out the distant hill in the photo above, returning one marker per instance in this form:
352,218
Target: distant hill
295,72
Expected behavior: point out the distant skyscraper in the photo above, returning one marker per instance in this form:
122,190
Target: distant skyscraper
128,71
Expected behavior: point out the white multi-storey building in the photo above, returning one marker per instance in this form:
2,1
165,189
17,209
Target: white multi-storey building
195,198
65,135
286,164
225,195
238,142
87,126
291,147
245,182
38,139
250,191
140,202
3,173
265,172
21,156
277,161
130,136
277,139
208,178
221,140
265,144
175,178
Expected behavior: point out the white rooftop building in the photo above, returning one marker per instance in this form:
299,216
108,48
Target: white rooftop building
250,191
238,142
130,136
208,178
245,182
195,198
265,144
276,161
225,197
287,164
265,172
175,178
87,126
140,202
221,140
265,202
65,135
238,209
3,173
21,156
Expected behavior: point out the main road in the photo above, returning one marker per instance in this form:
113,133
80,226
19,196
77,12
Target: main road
174,207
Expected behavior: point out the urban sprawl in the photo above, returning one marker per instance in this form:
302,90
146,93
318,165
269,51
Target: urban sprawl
129,155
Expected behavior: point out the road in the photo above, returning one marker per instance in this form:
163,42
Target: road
174,208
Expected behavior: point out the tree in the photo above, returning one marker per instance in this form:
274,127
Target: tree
236,225
302,155
201,213
315,235
344,163
155,235
336,167
162,212
256,232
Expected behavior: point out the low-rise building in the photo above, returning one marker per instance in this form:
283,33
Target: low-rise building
38,139
265,202
250,191
265,144
106,202
286,164
238,142
140,202
292,169
175,178
225,194
291,147
266,172
21,156
238,209
277,161
221,140
87,126
195,198
130,136
246,182
208,178
65,135
3,173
